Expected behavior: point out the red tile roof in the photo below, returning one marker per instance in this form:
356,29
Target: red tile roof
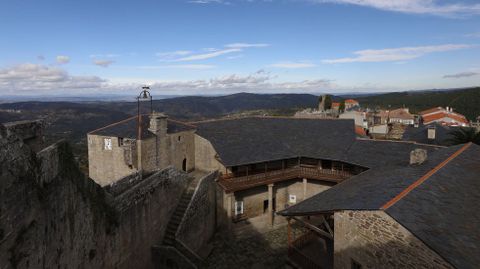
431,110
360,131
437,116
351,101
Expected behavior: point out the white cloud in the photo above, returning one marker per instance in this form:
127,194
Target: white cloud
462,75
165,56
204,56
247,45
396,54
61,59
415,6
178,66
292,65
209,2
41,79
473,35
206,53
35,77
103,63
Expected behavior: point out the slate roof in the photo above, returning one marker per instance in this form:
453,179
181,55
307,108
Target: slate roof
258,139
128,128
441,211
420,134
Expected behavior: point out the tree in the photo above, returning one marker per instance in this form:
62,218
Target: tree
328,101
342,106
464,135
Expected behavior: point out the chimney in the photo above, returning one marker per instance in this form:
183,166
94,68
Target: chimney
418,156
431,131
158,123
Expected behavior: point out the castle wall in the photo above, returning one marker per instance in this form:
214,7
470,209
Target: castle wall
375,240
52,216
107,166
182,146
205,156
198,224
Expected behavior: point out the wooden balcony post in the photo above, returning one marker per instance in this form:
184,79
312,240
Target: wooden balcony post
270,203
304,188
289,232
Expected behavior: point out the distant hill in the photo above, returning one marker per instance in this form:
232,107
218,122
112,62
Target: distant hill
464,101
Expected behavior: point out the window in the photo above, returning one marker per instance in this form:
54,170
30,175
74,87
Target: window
179,137
107,143
292,199
356,265
238,207
120,141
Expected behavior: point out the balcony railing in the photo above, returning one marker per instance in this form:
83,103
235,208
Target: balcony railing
232,183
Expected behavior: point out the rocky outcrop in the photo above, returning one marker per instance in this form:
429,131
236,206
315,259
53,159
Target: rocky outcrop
52,216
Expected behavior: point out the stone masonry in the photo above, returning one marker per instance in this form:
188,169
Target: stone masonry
52,216
375,240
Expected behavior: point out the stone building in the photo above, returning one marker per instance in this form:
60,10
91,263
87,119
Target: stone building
444,116
268,164
417,213
139,144
402,116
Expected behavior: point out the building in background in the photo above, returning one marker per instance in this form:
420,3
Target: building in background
402,116
444,116
351,104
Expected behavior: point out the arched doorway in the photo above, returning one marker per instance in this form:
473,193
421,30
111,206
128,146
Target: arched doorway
184,165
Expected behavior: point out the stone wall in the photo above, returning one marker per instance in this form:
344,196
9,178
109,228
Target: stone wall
205,156
375,240
253,198
199,222
107,166
29,131
52,216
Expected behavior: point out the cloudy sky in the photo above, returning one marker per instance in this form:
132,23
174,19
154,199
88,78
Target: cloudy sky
225,46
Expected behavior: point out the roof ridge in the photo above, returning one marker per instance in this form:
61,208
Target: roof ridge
419,181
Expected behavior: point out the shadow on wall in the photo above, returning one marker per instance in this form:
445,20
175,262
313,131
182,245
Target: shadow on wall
404,252
54,216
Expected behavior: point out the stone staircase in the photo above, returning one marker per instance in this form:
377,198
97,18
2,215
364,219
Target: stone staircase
169,239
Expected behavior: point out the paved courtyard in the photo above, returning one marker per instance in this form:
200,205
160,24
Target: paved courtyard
255,250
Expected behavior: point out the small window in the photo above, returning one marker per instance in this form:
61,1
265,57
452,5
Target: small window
120,141
356,265
107,143
179,138
238,207
292,199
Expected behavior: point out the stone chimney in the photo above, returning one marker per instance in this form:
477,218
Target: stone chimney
418,156
158,123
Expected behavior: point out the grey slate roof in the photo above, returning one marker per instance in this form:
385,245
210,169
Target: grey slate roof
253,140
419,134
442,211
128,128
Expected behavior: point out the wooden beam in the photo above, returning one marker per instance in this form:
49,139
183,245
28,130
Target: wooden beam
327,225
314,228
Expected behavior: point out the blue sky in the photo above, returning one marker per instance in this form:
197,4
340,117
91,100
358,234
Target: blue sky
219,46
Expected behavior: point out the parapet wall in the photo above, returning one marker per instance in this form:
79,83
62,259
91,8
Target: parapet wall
52,216
199,222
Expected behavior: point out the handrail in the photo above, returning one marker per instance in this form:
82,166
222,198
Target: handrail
300,170
237,183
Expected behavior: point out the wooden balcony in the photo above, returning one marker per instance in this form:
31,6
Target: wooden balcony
231,183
